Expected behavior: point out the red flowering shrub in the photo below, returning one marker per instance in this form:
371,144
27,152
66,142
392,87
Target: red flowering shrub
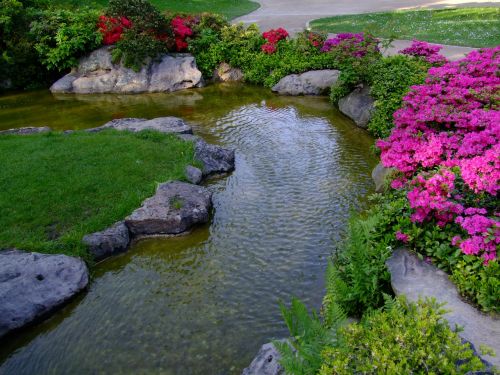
112,28
446,146
182,30
272,38
316,40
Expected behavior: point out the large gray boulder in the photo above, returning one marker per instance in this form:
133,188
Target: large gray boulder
358,106
266,362
175,208
97,73
160,124
108,242
215,159
26,130
33,285
315,82
225,73
379,176
415,278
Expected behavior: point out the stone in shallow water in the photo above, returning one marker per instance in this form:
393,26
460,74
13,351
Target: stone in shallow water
215,159
33,285
315,82
108,242
358,106
266,362
97,73
175,208
415,278
161,124
26,130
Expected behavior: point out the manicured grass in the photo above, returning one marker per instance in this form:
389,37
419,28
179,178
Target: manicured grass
56,188
474,27
228,8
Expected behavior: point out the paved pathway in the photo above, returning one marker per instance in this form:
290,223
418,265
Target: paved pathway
294,15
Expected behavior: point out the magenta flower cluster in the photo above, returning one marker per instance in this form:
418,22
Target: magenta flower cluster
430,52
446,146
356,45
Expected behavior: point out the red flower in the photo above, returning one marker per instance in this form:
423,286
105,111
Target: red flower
181,31
268,48
112,28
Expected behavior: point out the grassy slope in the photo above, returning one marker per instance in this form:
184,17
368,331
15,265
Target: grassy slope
229,8
475,27
57,188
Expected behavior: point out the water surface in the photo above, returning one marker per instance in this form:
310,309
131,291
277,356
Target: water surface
203,303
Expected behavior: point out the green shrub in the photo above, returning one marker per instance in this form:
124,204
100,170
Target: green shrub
478,282
402,338
301,355
357,278
62,36
390,80
19,63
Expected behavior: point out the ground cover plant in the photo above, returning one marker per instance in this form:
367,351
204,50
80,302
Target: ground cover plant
58,187
474,27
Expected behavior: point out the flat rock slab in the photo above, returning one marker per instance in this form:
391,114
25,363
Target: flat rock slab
359,106
266,362
215,159
97,73
415,278
33,285
175,208
108,242
314,82
26,130
160,124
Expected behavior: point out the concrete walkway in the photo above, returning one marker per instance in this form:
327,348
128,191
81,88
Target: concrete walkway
295,15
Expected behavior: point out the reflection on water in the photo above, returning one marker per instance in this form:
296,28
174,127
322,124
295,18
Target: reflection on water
203,303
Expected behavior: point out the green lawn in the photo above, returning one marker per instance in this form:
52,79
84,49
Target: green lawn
56,188
474,27
229,8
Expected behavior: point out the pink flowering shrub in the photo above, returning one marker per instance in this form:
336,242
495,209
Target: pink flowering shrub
356,45
430,52
446,146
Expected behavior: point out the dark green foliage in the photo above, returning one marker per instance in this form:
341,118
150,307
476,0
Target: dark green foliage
86,181
19,63
478,282
401,338
62,36
309,336
357,278
141,42
135,48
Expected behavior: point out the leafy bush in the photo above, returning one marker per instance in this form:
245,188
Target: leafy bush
390,80
62,36
402,338
357,278
19,63
302,354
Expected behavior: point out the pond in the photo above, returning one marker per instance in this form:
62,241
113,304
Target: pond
204,303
